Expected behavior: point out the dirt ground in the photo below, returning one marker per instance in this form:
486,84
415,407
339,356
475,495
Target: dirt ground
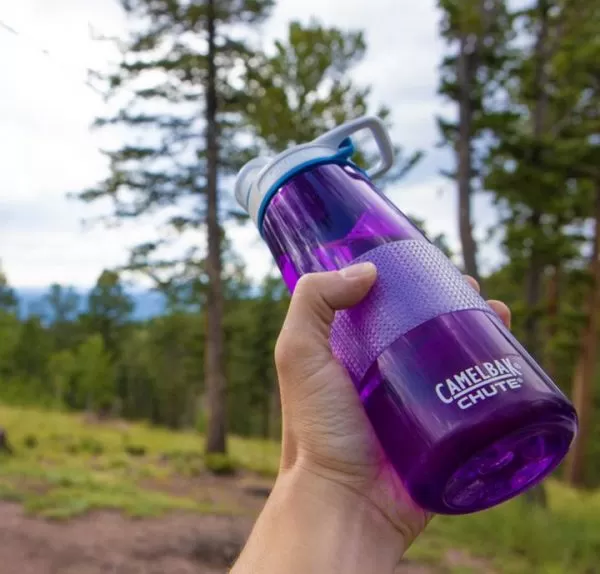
110,543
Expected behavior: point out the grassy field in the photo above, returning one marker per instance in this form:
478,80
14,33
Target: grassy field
516,538
63,466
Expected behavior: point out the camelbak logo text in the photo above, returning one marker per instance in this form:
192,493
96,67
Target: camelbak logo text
480,382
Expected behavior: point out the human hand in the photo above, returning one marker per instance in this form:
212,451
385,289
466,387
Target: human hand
326,430
337,505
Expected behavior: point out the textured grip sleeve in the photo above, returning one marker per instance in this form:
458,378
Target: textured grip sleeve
416,283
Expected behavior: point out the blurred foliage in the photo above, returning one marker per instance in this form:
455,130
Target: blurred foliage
525,86
104,362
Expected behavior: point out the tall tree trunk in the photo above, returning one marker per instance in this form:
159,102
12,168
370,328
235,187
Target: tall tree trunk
585,369
472,44
465,76
216,440
536,264
531,339
553,308
533,291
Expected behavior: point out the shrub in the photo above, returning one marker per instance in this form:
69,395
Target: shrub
91,446
220,464
135,449
30,441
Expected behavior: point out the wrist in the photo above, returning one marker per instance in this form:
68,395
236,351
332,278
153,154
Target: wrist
352,521
316,525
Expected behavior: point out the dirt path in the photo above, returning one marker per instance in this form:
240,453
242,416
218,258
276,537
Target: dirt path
180,543
108,543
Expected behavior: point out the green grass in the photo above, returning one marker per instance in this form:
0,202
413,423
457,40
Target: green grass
63,466
516,538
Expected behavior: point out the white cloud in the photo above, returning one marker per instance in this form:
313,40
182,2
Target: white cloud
47,150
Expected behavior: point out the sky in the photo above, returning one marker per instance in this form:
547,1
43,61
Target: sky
47,149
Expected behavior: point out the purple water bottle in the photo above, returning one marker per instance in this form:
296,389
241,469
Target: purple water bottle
465,415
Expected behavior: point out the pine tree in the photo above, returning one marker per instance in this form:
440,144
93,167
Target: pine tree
577,64
181,109
94,376
541,212
268,312
109,309
61,372
61,307
10,333
8,298
32,351
478,33
535,170
303,88
174,364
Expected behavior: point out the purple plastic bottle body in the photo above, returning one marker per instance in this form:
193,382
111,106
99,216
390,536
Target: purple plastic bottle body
465,415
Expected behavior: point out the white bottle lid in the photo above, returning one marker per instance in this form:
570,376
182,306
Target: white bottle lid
260,178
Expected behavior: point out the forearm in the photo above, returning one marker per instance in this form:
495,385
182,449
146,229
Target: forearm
311,525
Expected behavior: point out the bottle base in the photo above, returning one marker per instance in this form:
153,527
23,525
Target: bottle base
501,470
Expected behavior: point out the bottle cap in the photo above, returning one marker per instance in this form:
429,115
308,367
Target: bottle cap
261,177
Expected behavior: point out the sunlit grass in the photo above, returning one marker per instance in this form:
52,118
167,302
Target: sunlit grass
518,538
63,466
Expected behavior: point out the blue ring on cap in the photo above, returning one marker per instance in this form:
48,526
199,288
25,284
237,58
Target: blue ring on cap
345,150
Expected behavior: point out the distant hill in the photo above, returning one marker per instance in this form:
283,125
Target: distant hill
147,303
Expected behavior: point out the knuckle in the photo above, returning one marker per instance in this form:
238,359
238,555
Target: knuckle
283,356
289,349
306,284
284,350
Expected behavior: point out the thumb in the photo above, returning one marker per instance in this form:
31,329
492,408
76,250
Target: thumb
317,296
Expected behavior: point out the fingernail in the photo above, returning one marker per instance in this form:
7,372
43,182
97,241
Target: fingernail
359,270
